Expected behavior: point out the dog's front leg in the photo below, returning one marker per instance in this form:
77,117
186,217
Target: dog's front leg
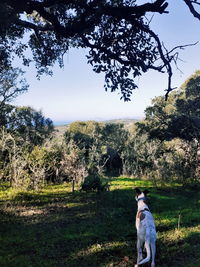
139,251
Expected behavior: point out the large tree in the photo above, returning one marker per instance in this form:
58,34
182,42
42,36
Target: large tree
117,33
178,120
12,84
179,117
30,125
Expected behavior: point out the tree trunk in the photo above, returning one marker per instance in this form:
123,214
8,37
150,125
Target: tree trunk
73,185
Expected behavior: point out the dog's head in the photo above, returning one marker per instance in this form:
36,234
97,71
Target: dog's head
141,195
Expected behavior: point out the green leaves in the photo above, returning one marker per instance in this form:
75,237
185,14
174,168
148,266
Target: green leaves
121,44
12,83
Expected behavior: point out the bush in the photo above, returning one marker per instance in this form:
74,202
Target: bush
94,183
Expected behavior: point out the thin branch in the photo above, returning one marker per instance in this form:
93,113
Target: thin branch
182,47
195,2
166,60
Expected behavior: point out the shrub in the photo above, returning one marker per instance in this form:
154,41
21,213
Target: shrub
94,183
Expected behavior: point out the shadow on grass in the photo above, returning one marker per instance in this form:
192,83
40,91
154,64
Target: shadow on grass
75,223
89,229
180,252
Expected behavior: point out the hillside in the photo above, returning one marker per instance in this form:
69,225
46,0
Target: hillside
123,121
60,129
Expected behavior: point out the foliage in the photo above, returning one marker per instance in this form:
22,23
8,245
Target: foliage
21,162
53,159
36,165
30,125
13,164
93,182
140,155
163,148
117,34
102,144
12,84
177,119
72,164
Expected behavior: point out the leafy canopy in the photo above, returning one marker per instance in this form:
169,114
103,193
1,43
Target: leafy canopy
116,33
179,117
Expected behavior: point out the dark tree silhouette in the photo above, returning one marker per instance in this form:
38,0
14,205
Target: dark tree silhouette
193,6
117,33
12,84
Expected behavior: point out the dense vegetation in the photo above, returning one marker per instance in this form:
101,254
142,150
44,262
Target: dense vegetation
164,147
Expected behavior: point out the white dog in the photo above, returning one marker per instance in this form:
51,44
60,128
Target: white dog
146,231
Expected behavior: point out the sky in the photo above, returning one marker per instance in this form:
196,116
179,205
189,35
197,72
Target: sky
77,93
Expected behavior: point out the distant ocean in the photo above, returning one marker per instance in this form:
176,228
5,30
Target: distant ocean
59,123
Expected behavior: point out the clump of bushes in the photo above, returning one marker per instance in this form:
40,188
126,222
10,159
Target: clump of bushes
94,183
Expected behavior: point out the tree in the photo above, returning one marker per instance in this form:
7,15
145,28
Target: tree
178,118
30,125
13,164
83,133
117,33
158,117
73,164
36,163
12,84
102,144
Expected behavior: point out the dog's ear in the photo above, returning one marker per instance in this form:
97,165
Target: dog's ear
138,192
146,192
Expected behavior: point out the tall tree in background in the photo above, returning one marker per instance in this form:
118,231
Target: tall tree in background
178,118
117,33
12,84
30,125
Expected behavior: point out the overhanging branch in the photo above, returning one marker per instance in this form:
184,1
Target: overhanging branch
191,4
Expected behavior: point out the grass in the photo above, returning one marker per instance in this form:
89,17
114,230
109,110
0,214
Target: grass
53,227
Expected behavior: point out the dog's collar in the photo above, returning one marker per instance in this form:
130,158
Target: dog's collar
146,209
141,198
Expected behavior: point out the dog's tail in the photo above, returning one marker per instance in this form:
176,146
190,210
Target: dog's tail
148,250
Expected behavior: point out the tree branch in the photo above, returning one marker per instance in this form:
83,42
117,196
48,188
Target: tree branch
96,12
181,47
35,27
106,51
190,3
137,11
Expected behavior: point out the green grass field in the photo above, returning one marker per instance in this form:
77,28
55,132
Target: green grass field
54,227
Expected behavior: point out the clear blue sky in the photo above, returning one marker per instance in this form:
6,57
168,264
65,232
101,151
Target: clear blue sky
77,93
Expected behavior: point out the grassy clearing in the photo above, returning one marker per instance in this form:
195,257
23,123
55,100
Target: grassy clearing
54,227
